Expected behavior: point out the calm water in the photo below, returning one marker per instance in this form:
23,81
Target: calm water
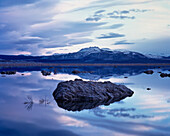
146,113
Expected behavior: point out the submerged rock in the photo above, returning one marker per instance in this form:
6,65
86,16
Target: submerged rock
45,73
8,72
148,89
79,94
78,72
149,72
164,75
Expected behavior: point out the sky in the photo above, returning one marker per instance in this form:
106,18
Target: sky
45,27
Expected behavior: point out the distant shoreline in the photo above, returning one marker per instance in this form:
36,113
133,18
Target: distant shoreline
79,64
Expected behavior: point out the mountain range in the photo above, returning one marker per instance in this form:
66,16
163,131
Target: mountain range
90,55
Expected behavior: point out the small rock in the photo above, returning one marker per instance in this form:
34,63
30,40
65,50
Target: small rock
3,72
149,72
8,72
148,89
55,71
45,73
76,72
164,75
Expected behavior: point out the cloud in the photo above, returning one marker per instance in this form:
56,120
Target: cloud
93,19
109,3
115,26
124,12
62,37
122,17
100,11
110,35
53,20
29,40
157,46
116,14
139,10
7,3
68,42
79,41
20,30
123,42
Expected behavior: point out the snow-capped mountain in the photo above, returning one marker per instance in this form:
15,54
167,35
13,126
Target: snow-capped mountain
93,55
103,55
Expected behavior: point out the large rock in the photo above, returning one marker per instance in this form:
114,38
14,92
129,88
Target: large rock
87,91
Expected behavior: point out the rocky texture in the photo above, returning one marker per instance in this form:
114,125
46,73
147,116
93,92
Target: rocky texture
79,94
79,106
164,75
149,72
45,73
8,72
78,72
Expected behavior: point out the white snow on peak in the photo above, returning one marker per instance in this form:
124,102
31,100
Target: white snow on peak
106,49
91,50
122,50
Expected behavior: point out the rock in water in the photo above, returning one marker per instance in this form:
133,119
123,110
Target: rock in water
149,72
45,73
88,91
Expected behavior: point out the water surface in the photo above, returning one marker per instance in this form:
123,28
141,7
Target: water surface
147,112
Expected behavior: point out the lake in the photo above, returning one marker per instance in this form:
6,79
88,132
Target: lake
27,107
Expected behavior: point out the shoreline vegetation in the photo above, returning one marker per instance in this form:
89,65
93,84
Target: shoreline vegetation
33,64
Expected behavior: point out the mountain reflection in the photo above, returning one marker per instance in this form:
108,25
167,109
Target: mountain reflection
90,72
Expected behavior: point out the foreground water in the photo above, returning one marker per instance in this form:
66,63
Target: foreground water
146,113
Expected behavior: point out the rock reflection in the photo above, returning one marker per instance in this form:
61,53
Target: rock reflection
44,101
79,106
78,95
30,102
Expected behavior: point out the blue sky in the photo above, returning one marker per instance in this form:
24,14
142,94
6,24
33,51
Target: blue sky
41,27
